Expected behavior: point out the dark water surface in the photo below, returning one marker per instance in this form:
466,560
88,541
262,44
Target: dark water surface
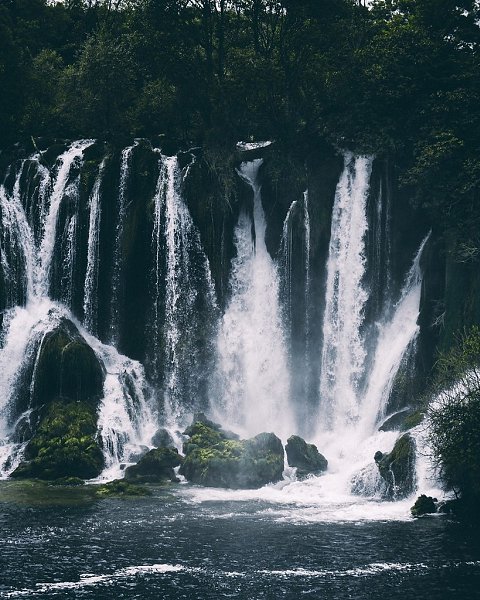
167,546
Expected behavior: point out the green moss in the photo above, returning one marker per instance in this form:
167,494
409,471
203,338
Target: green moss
213,458
121,488
64,445
412,420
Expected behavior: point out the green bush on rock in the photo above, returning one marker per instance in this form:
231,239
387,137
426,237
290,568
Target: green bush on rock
64,445
212,458
454,421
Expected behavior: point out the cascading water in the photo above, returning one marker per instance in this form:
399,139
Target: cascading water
125,165
253,375
93,255
125,418
184,307
343,352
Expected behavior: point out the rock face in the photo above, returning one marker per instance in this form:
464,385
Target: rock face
398,468
155,467
305,457
68,368
424,505
213,458
64,444
402,420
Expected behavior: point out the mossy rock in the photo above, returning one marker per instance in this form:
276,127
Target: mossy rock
403,420
64,445
67,367
213,459
155,467
121,488
398,468
305,457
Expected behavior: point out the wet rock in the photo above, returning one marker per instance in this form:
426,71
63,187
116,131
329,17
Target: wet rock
155,467
305,457
120,488
64,444
397,468
424,505
163,439
213,458
67,367
139,454
402,421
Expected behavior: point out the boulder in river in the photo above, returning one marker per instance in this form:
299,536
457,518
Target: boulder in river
213,458
305,457
64,444
424,505
155,467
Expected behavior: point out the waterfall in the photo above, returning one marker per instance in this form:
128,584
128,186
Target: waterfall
286,259
93,255
396,335
184,298
49,225
125,165
253,374
16,246
125,418
343,352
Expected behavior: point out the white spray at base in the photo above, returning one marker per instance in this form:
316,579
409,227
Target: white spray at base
253,376
125,418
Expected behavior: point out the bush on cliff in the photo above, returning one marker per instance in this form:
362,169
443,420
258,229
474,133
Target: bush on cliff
454,418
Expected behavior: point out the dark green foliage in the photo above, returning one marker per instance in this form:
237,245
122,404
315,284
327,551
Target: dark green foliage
155,467
454,417
398,468
64,445
305,457
213,459
424,505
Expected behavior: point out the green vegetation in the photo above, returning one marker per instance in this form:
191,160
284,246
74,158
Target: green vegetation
400,79
120,488
64,444
454,423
